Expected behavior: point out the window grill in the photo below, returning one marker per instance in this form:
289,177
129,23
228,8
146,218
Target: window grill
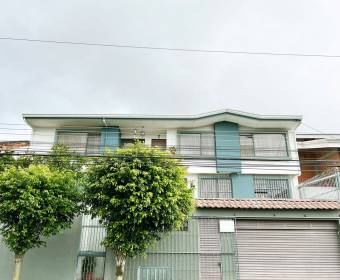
215,187
271,187
92,254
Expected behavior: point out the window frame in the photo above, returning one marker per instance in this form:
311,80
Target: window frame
76,131
201,151
272,157
273,177
216,178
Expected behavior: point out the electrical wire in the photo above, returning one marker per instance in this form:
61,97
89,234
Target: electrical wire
168,49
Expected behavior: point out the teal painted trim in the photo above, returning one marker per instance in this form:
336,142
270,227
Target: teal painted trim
243,186
91,254
227,145
188,117
110,138
333,215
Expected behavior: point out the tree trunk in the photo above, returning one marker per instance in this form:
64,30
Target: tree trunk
120,266
17,266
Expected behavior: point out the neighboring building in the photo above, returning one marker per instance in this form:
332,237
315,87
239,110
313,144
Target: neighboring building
249,222
320,162
13,146
317,153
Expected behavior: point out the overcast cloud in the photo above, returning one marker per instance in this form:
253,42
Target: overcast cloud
47,78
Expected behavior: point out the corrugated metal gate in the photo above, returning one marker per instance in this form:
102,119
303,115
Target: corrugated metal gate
210,249
288,250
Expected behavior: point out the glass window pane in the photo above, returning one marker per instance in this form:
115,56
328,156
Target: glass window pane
270,145
207,144
247,145
190,144
75,141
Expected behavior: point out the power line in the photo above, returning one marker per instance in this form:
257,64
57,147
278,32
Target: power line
128,46
203,164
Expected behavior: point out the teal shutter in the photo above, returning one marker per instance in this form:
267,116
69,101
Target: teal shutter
227,145
243,186
110,138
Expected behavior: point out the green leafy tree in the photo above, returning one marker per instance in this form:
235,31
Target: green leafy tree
6,160
139,194
60,158
35,202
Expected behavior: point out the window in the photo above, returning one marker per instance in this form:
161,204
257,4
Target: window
276,187
154,273
264,145
80,142
196,144
215,187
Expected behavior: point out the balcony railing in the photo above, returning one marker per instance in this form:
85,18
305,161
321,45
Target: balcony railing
325,185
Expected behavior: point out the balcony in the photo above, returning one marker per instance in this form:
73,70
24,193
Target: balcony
251,145
264,187
325,185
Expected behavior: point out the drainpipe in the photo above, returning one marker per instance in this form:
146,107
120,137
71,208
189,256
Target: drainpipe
104,121
337,181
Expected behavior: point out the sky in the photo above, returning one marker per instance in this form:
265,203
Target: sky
57,78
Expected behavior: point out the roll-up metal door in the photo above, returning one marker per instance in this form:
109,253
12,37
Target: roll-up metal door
288,250
210,250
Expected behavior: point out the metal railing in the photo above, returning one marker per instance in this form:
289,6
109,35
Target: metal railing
325,185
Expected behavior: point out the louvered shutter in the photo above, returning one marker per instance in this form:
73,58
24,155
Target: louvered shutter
210,250
288,250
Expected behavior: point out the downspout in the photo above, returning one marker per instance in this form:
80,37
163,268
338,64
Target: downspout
104,121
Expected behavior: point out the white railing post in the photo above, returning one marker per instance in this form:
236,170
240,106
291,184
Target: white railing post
337,181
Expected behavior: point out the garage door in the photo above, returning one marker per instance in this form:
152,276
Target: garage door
288,250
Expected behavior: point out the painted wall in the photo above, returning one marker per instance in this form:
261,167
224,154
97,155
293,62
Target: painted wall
328,156
227,145
56,261
179,251
42,139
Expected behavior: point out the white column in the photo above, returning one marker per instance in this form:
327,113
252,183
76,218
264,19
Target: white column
42,140
171,138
